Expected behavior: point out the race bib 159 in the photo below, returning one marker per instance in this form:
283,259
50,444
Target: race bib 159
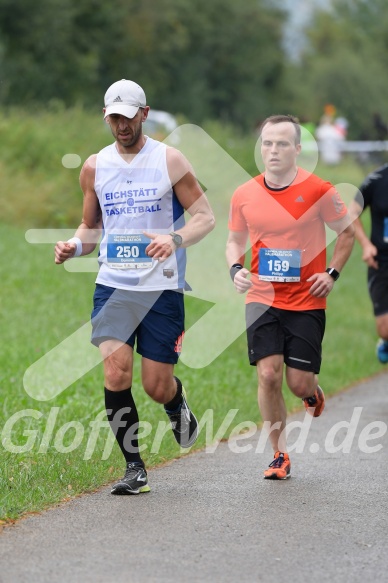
279,264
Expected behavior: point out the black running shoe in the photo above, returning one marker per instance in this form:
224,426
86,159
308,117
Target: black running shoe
184,424
134,482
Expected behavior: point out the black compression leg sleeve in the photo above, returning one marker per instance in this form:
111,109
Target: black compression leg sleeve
124,421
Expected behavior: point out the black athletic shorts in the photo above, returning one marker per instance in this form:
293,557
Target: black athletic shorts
378,289
297,335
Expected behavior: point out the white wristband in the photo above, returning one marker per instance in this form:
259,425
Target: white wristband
78,243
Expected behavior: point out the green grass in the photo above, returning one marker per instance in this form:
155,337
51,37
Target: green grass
42,304
41,192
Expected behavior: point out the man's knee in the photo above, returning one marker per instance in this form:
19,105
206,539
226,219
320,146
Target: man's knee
117,369
301,382
270,376
160,389
158,380
117,377
117,357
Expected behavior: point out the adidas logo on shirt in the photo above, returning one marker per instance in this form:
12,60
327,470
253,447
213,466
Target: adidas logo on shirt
299,199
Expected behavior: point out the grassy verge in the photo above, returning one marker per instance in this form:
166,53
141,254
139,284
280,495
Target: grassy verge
48,452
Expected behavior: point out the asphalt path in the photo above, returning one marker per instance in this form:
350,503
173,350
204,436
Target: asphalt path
211,517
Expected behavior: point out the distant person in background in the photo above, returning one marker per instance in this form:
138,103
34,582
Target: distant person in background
373,194
341,124
329,141
381,128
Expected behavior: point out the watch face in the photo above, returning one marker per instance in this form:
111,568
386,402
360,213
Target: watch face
177,239
333,273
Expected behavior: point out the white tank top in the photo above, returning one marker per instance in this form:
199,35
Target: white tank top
136,197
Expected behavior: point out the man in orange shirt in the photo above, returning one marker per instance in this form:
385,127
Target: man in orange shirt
283,212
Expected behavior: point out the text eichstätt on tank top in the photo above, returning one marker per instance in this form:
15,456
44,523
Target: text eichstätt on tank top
136,197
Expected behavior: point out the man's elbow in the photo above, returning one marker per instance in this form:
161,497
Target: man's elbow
212,222
208,221
351,232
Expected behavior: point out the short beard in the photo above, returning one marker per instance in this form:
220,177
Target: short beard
134,139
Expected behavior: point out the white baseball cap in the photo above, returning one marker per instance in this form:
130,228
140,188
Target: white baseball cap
124,97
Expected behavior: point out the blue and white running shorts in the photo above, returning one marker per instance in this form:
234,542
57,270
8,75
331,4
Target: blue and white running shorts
155,320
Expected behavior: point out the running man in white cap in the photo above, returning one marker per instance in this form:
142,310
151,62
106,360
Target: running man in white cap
136,192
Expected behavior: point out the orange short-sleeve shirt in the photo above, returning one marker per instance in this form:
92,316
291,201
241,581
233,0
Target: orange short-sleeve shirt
287,235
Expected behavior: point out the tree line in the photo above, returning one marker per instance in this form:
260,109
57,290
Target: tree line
203,59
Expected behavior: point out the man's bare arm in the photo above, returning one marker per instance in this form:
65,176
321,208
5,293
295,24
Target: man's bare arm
369,251
322,283
88,233
193,200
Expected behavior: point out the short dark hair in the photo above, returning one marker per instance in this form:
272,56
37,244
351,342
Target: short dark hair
280,118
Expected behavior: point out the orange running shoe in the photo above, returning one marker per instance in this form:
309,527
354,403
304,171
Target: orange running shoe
279,468
315,404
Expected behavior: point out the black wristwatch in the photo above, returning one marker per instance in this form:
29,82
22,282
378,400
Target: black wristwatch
177,239
333,273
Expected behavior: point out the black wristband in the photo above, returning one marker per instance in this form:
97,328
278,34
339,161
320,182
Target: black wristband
234,269
333,273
